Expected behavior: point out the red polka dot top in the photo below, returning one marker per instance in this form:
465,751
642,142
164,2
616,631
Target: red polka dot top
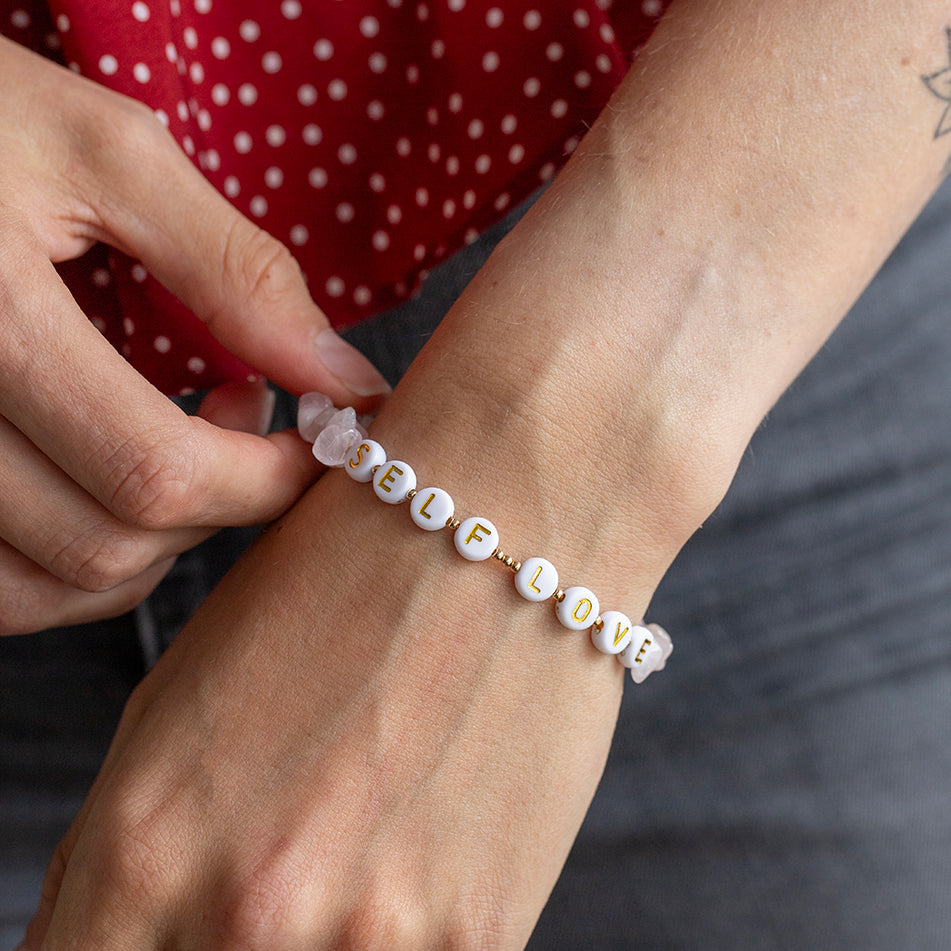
372,137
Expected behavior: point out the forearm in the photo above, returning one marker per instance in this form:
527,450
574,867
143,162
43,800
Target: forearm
594,388
737,195
609,364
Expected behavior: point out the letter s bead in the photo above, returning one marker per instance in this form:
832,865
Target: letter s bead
362,459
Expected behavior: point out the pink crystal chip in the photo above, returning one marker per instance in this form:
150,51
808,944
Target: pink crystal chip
338,437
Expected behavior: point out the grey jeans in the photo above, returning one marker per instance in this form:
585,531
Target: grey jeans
785,783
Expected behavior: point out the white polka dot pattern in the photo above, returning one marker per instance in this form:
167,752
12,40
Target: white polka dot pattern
369,156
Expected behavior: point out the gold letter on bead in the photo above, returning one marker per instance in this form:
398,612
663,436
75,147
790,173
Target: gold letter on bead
531,583
581,618
397,481
578,605
609,643
476,539
363,459
536,579
431,508
389,477
358,458
478,527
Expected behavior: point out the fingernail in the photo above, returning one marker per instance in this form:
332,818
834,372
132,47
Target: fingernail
350,365
267,412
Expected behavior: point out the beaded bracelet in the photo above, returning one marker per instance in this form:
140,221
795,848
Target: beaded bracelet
340,441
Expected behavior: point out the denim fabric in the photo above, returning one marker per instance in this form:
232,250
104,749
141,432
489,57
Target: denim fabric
784,783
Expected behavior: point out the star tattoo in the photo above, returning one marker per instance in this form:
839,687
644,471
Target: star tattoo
939,84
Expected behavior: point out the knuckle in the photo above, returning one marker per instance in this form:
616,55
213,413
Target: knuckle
256,267
263,906
390,919
484,923
108,126
141,853
152,483
98,561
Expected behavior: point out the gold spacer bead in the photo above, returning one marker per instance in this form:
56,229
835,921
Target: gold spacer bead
498,555
516,566
453,523
410,494
559,595
598,623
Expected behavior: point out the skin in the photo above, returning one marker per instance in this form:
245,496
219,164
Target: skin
361,740
103,480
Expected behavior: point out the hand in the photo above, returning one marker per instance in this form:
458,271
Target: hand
103,480
396,769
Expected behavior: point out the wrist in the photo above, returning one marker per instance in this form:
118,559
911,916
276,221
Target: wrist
558,402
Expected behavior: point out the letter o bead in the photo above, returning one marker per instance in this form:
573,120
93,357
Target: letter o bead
362,458
614,634
476,539
431,508
578,609
393,481
536,580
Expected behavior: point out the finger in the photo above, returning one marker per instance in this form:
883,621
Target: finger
242,282
247,407
52,882
69,913
31,599
133,450
58,525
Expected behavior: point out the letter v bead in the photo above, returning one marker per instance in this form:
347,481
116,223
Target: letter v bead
613,634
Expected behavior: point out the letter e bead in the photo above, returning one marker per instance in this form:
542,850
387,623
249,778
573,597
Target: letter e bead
393,481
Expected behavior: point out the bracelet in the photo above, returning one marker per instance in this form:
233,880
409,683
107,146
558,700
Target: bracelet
340,441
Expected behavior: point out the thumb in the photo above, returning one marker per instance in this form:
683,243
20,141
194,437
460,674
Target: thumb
243,283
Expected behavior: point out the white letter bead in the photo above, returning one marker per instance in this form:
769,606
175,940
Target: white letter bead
431,508
642,655
649,661
476,539
578,609
614,634
363,457
536,580
393,480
